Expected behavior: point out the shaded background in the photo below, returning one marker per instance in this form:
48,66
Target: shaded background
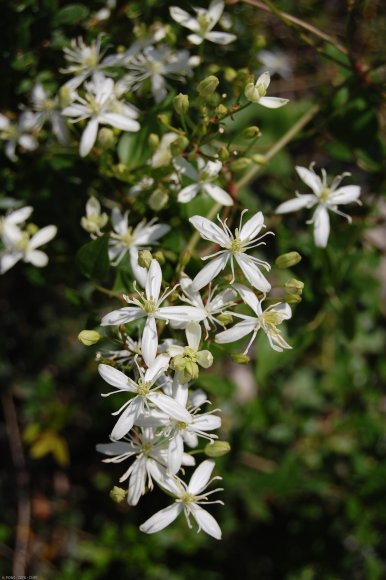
305,481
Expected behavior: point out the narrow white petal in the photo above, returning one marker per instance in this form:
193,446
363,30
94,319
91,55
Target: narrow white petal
216,8
42,237
188,193
200,477
115,378
8,260
161,519
218,194
310,178
88,138
119,121
140,273
206,522
207,423
37,258
209,231
252,273
170,407
272,102
210,271
220,37
264,80
185,168
175,453
346,194
126,420
193,335
236,332
184,18
180,313
137,481
159,366
296,203
249,297
252,227
149,341
195,39
154,280
122,316
321,221
20,215
150,234
115,448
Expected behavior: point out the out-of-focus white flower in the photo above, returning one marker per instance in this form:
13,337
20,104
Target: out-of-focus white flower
84,60
125,239
48,109
188,499
149,305
157,64
10,223
235,245
19,133
326,197
20,245
276,61
185,360
101,107
162,155
268,320
94,220
202,25
146,394
255,92
203,178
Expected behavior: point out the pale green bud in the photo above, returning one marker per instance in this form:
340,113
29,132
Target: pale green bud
288,260
118,494
251,132
293,298
221,110
144,258
240,358
225,318
223,154
181,104
158,200
207,86
163,119
229,74
240,164
89,337
179,145
217,448
106,138
294,284
191,370
153,141
160,257
259,159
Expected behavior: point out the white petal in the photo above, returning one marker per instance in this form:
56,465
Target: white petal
122,316
20,215
186,168
37,258
154,280
219,37
205,359
116,448
42,237
296,203
183,18
210,271
126,420
236,332
149,341
249,297
150,234
137,482
206,522
180,313
88,138
310,178
218,194
180,394
170,407
175,453
252,227
115,378
193,335
188,193
159,366
195,39
8,260
119,121
161,519
201,477
346,194
209,231
252,273
206,423
321,221
216,8
272,102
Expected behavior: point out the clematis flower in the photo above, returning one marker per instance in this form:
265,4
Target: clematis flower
268,320
48,109
101,107
10,223
326,197
20,245
94,219
203,178
146,395
255,92
202,25
186,360
84,60
149,305
234,248
19,133
188,499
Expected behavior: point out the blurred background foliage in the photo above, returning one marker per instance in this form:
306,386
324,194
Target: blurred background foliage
305,482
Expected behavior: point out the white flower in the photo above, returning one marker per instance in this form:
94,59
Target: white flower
202,25
47,109
101,106
19,245
94,219
188,498
327,197
18,134
267,320
149,306
255,92
11,222
84,60
203,178
162,155
277,61
146,395
185,360
155,64
235,245
125,239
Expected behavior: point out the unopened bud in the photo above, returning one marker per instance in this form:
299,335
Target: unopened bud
288,260
160,257
181,104
158,200
118,494
153,141
225,318
221,110
251,132
240,358
294,286
259,159
89,337
207,86
229,74
240,164
179,145
217,448
106,138
163,119
223,154
144,258
293,298
191,371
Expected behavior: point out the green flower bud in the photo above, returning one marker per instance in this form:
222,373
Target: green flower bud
229,74
259,159
240,358
217,448
160,257
118,494
251,132
207,86
225,318
240,164
191,370
144,258
293,298
181,104
89,337
163,119
294,286
179,145
158,200
153,141
106,138
288,260
223,154
221,110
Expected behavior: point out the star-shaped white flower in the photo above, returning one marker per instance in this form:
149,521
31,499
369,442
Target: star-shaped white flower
149,306
19,245
255,92
203,178
326,197
202,25
19,133
188,499
267,320
48,109
234,247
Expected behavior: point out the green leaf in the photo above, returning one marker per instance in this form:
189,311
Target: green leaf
71,14
93,258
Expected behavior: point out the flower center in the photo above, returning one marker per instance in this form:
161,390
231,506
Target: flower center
236,245
324,194
204,22
143,388
146,448
188,498
22,244
127,238
149,306
90,59
190,353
